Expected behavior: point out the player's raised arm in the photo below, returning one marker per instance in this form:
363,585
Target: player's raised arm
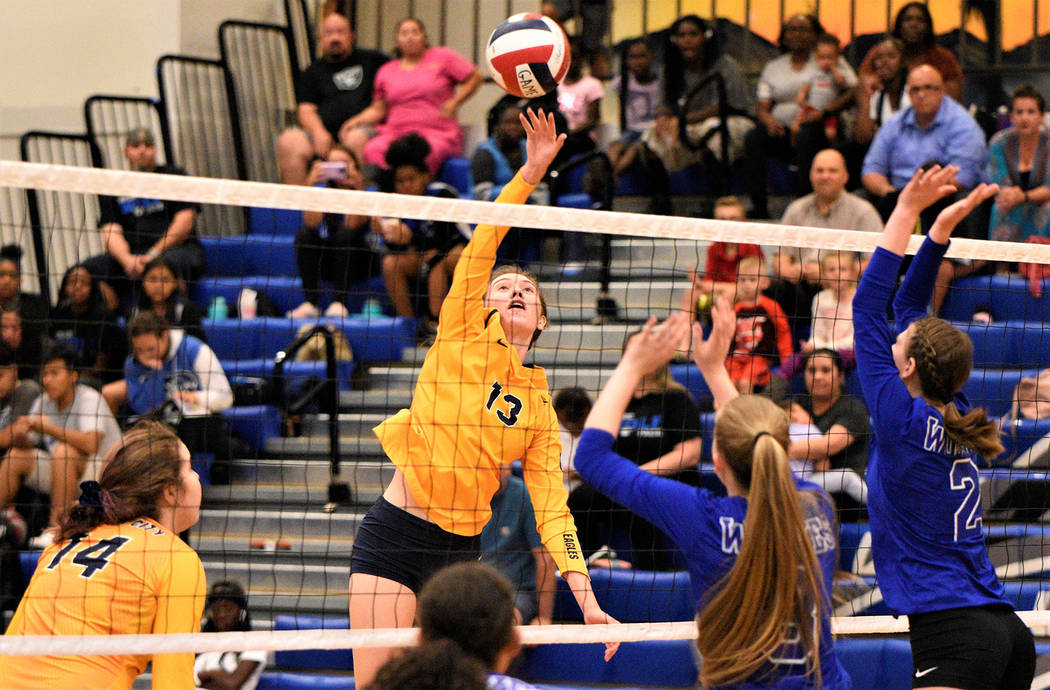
923,189
710,354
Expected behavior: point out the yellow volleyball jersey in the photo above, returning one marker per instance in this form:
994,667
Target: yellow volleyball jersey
476,408
132,578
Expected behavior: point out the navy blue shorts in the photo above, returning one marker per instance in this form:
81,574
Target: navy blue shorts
396,545
975,647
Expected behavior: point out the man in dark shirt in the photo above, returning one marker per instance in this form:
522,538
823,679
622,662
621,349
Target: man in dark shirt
330,91
136,231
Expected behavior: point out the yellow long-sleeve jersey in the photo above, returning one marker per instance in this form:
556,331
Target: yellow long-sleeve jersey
132,578
476,408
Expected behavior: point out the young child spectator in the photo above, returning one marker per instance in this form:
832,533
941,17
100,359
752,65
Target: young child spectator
580,101
763,337
63,437
334,247
720,269
418,247
640,92
511,543
226,610
167,368
160,294
832,322
824,87
82,320
571,405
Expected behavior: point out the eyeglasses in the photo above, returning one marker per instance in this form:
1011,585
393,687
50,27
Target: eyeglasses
919,88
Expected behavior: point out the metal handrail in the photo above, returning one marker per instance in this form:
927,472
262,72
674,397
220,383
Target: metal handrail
326,392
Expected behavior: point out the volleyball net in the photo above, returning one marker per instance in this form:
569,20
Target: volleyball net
262,523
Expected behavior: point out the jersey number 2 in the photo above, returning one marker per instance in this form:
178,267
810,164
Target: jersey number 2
93,558
511,417
964,478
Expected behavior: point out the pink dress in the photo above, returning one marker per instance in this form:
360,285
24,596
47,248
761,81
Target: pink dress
574,99
413,98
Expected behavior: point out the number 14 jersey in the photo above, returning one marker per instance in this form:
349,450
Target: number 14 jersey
132,578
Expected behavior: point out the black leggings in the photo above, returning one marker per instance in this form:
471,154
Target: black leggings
340,258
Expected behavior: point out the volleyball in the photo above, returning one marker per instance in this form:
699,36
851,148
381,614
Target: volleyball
528,55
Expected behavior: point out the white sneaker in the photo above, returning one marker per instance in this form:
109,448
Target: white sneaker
42,540
337,309
306,310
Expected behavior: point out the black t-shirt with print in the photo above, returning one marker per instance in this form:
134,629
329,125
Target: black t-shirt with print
341,89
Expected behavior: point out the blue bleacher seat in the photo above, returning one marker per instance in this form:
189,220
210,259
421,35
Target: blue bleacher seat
335,659
374,339
295,372
285,291
255,424
665,663
876,663
633,596
202,464
275,680
270,255
28,560
1019,435
689,376
1007,295
456,172
275,221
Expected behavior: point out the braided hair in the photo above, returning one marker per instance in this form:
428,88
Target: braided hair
943,358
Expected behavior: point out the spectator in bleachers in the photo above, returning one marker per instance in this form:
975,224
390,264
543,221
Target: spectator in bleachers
829,205
28,349
641,92
778,86
933,129
31,308
594,18
496,159
418,249
571,405
178,379
226,610
825,87
160,294
82,320
880,93
420,91
339,248
511,544
693,55
437,665
17,396
913,27
1019,162
137,231
720,268
334,88
841,443
660,432
580,101
63,437
763,336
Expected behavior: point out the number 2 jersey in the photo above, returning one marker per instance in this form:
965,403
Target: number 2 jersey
475,408
924,495
132,578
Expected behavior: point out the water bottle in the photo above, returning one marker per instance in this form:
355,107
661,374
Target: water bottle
372,309
218,309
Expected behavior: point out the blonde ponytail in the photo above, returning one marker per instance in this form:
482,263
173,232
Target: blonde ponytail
776,581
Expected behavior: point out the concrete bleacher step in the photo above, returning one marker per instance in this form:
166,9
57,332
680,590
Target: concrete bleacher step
262,572
574,301
290,470
294,494
231,545
274,522
364,447
376,399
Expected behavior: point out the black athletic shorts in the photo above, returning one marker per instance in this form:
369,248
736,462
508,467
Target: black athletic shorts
394,544
975,648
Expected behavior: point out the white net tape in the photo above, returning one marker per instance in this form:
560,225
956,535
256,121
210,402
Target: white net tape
267,195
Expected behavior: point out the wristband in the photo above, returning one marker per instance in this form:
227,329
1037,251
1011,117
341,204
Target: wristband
152,254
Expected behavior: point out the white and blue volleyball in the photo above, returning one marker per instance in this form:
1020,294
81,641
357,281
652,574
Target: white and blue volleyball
528,55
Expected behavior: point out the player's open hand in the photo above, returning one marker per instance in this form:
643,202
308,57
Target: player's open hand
542,143
927,186
953,215
593,615
654,346
711,353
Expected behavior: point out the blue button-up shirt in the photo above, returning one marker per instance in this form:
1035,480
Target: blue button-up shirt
902,145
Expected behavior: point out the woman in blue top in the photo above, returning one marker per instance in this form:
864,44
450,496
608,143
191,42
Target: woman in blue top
761,560
924,496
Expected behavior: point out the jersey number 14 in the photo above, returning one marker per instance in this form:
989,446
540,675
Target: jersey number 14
93,558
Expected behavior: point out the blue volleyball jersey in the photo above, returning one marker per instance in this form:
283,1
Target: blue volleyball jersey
709,529
924,492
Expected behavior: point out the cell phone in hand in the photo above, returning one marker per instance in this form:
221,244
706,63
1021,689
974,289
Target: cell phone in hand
333,171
